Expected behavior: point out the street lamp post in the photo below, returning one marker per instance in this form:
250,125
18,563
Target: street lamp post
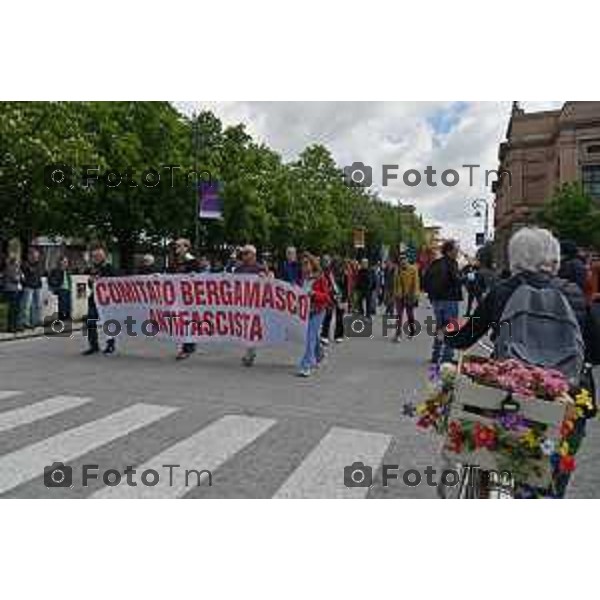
399,224
477,204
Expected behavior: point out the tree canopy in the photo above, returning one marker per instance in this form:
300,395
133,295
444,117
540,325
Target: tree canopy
266,201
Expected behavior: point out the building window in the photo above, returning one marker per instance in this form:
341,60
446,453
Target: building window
594,149
590,175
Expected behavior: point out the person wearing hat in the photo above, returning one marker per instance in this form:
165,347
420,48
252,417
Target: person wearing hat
406,294
249,266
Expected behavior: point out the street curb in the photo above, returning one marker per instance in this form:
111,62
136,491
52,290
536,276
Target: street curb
29,335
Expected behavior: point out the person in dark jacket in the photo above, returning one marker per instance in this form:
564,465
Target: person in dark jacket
13,289
572,266
291,270
60,283
339,281
364,287
100,268
31,299
443,284
474,284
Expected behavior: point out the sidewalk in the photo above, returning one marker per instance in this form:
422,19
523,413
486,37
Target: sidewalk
31,333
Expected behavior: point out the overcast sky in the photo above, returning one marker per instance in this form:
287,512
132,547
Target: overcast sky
413,135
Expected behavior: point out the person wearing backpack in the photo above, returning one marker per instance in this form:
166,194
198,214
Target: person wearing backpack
442,282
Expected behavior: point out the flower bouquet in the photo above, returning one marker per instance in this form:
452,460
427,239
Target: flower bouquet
508,416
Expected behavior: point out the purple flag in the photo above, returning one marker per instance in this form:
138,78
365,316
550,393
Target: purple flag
211,206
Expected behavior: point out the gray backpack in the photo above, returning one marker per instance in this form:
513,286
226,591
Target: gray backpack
539,327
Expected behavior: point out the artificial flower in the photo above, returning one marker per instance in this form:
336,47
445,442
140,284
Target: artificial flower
484,437
563,449
547,447
566,428
566,464
530,439
421,408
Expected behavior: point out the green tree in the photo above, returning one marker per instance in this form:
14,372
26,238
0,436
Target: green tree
572,214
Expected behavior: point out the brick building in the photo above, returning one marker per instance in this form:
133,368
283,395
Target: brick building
543,150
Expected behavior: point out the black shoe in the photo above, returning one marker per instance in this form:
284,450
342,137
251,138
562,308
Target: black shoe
90,351
110,348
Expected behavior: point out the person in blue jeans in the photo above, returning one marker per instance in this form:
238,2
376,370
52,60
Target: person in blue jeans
316,285
443,284
31,298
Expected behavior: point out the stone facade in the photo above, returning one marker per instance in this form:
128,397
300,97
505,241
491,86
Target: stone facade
543,150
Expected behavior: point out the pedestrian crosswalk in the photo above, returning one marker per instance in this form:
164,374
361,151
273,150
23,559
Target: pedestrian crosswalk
317,473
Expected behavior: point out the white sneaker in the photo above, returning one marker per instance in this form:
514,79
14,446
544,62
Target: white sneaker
304,373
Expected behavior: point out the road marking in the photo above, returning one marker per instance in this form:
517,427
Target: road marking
29,462
4,394
207,449
321,473
40,410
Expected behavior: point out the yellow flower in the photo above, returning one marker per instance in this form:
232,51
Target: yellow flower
584,399
530,439
564,449
421,409
579,412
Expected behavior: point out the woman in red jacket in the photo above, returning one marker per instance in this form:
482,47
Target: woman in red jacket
316,285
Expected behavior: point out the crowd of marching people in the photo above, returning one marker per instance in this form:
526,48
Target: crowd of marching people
337,287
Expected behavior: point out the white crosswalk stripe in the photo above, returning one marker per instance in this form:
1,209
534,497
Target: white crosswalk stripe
29,462
205,450
5,394
321,474
40,410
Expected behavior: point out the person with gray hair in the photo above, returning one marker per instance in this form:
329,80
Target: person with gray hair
532,250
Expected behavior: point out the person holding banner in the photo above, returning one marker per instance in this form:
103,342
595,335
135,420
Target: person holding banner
316,285
100,268
249,266
184,262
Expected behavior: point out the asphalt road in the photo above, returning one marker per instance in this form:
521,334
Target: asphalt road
261,432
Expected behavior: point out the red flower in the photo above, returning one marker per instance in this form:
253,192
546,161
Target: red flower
566,464
485,437
455,437
424,422
455,445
